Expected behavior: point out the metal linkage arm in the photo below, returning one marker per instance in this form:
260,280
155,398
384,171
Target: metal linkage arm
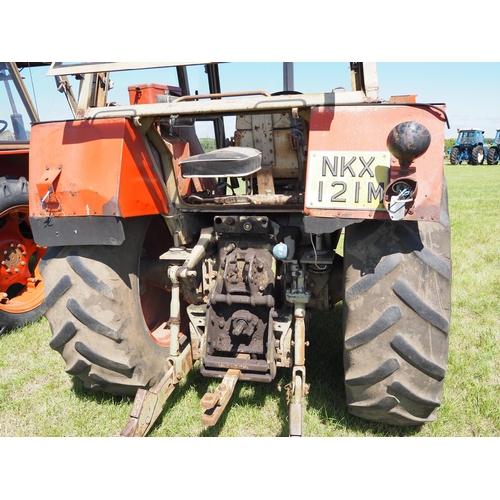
215,403
148,404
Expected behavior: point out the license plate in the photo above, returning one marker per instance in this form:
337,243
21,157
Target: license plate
347,180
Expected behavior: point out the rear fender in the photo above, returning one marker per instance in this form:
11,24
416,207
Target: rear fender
95,168
346,133
91,170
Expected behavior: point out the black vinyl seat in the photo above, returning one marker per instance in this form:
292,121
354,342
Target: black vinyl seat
227,162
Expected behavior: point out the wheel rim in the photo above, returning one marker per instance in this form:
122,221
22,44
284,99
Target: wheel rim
155,301
21,285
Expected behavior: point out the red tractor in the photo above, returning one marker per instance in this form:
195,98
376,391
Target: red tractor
161,254
21,285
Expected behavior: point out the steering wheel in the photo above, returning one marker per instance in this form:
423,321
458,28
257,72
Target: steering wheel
3,125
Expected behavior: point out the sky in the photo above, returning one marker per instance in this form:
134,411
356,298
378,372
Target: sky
411,40
469,89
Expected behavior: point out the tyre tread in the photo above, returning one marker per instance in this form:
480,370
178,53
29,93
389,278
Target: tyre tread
415,358
103,361
78,367
375,376
370,280
423,253
388,318
56,293
78,265
395,364
90,321
95,311
412,393
404,291
385,403
63,336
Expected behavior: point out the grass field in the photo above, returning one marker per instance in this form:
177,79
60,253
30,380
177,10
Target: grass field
37,398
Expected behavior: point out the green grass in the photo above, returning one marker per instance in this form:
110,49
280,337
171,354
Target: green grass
37,398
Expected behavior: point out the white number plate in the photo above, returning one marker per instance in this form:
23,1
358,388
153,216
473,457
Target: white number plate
347,180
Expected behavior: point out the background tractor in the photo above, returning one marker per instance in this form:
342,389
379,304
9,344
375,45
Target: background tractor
163,258
468,147
493,150
21,284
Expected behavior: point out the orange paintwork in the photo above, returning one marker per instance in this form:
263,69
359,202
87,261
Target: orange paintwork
146,93
366,128
99,167
16,251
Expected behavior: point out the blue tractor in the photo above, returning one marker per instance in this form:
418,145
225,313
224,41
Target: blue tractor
493,151
469,147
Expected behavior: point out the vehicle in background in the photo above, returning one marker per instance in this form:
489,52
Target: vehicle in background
21,284
493,150
469,147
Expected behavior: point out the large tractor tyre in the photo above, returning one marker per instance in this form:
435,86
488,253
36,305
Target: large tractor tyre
396,318
106,320
477,155
21,285
492,156
454,156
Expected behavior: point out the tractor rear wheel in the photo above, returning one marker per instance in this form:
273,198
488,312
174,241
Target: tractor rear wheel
477,155
21,286
492,156
396,318
105,317
454,156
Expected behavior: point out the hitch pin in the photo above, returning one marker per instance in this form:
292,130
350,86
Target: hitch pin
43,201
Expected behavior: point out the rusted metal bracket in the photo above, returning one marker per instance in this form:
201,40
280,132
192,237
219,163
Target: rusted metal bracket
299,390
215,402
148,404
46,187
299,386
295,420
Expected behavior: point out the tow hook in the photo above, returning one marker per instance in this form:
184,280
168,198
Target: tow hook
215,402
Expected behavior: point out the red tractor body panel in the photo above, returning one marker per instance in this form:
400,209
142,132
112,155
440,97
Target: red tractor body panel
359,131
97,169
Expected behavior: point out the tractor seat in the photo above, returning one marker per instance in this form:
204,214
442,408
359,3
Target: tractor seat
227,162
